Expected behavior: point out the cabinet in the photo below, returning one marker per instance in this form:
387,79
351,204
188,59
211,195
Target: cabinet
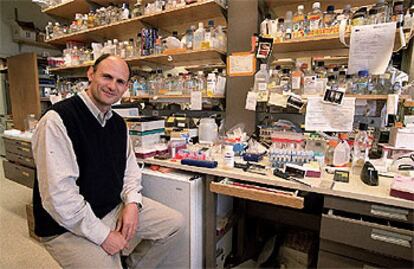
27,81
19,164
358,234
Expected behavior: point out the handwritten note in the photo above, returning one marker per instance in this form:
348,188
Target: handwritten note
328,117
371,47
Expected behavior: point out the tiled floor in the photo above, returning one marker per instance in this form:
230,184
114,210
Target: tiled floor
17,249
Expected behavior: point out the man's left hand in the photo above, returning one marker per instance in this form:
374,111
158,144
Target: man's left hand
127,222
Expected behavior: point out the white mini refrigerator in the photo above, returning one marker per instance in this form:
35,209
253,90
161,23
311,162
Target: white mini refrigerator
184,193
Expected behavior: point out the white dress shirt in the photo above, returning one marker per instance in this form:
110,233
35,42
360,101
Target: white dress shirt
57,172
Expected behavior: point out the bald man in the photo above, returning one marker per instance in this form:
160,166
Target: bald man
87,200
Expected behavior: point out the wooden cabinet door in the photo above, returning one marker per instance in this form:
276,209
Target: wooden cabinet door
24,87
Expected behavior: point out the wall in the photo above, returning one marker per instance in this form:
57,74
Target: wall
27,11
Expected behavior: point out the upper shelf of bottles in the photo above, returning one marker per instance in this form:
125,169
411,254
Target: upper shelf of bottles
177,19
186,58
279,7
328,45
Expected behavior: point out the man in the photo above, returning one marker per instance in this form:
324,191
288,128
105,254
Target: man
87,199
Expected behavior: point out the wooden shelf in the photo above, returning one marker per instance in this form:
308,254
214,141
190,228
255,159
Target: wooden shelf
68,9
188,58
175,19
328,45
160,97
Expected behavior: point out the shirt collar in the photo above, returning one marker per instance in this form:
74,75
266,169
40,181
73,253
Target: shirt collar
99,115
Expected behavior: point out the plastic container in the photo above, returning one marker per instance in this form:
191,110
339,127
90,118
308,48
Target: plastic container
207,130
228,157
342,154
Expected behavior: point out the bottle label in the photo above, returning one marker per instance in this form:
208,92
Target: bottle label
262,86
296,83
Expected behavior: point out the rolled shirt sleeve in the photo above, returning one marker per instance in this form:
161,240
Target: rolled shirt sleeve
131,191
57,172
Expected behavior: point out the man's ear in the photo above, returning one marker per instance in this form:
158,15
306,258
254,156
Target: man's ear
90,73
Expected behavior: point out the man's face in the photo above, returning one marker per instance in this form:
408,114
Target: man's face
108,82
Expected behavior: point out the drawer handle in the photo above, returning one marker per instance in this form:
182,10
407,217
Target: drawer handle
392,238
23,149
25,174
389,212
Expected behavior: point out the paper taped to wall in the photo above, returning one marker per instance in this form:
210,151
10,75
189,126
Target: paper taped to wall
329,118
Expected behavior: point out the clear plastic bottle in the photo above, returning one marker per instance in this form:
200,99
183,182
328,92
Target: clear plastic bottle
315,17
222,38
299,19
285,81
280,29
320,70
359,17
329,17
261,78
228,157
288,25
49,30
361,146
381,11
201,82
274,81
199,35
362,82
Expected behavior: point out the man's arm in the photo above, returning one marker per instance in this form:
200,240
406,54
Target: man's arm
57,172
130,195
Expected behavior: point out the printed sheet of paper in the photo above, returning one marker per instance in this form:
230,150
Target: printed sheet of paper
241,64
371,48
251,101
328,117
196,100
278,100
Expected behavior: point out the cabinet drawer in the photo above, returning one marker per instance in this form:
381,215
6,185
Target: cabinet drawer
19,174
374,237
18,147
328,260
26,161
370,209
251,192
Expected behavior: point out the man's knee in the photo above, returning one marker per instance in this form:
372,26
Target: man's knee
177,221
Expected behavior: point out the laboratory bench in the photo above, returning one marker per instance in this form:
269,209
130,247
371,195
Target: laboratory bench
358,225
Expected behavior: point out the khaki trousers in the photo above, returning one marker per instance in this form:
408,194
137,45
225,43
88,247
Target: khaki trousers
158,226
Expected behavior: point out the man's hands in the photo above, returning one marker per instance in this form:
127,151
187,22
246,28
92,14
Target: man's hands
126,228
114,243
128,221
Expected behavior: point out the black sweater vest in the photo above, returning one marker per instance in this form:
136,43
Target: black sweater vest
101,158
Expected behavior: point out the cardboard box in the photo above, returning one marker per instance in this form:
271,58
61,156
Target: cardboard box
402,138
23,31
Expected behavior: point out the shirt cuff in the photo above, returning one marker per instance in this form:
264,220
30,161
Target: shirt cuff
134,197
99,233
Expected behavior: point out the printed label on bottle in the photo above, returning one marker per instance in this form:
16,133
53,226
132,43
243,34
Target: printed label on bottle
262,86
296,83
314,22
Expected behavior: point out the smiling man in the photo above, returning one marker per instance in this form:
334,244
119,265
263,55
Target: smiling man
87,200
